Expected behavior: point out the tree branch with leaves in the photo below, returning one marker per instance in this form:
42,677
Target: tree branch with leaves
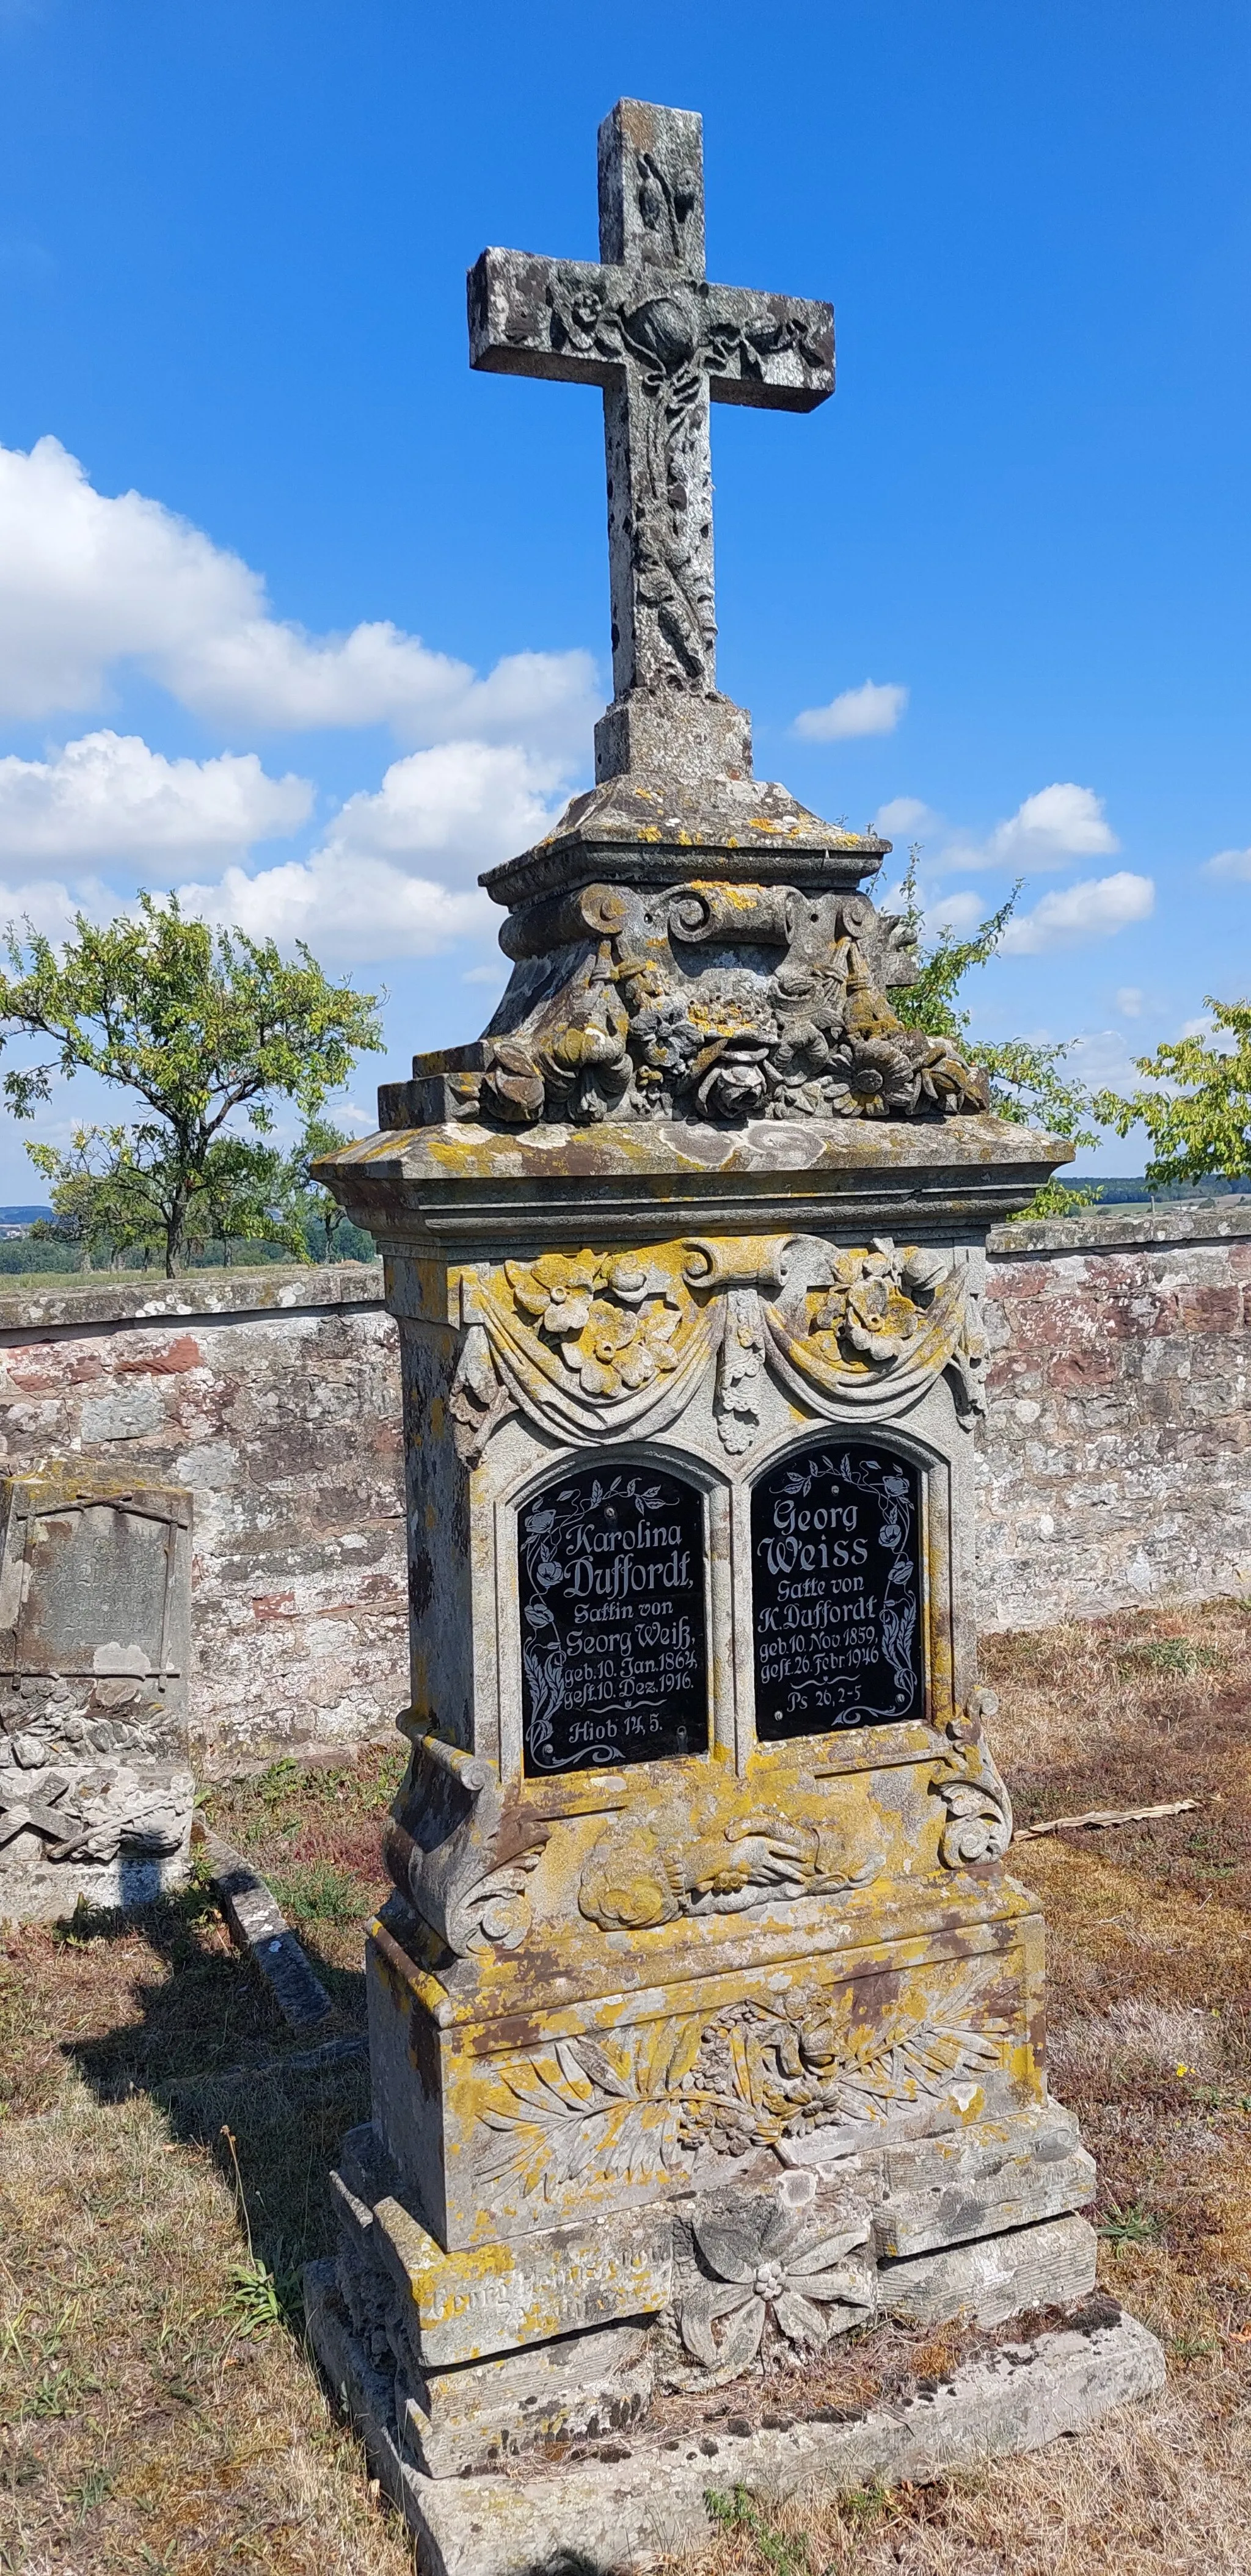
1027,1083
1197,1111
205,1027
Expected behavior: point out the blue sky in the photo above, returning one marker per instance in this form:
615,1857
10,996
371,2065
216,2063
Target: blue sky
298,612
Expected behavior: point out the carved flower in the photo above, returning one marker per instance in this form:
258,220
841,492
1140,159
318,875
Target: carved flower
735,1082
880,1323
881,1079
512,1090
627,1351
557,1291
768,2262
666,1034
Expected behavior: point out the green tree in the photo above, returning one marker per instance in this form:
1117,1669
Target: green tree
328,1229
99,1204
1197,1111
205,1027
1027,1083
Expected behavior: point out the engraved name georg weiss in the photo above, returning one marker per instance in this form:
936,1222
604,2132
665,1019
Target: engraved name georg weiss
836,1591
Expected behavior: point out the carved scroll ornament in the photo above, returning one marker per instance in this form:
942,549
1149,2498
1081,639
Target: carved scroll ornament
457,1867
595,1346
979,1810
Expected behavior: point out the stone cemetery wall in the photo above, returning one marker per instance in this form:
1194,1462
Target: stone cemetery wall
1116,1456
273,1395
1115,1466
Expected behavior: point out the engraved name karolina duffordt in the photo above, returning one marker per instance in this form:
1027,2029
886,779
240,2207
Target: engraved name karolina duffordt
836,1591
613,1658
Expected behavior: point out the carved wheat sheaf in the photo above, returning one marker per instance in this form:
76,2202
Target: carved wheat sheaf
642,2105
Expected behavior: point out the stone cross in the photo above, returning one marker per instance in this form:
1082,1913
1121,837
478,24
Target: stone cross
646,326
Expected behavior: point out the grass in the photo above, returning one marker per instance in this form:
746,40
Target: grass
163,2170
314,1833
163,2163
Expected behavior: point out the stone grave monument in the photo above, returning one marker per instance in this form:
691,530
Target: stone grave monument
705,2024
96,1793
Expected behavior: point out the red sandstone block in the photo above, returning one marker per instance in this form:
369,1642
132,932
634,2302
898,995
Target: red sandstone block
273,1605
1201,1310
54,1365
169,1362
1080,1372
1013,1280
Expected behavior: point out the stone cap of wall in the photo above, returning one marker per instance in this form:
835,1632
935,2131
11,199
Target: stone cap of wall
313,1286
277,1289
1182,1221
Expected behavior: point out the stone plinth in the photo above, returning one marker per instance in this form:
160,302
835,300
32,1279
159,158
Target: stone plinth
95,1618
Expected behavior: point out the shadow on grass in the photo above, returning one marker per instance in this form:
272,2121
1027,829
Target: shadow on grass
205,2040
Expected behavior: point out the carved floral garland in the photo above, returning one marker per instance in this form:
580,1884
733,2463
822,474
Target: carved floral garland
593,1346
647,2101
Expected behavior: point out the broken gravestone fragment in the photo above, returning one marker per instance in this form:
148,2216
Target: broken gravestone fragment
96,1791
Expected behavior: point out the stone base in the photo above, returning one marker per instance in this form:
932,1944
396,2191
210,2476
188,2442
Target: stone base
639,2497
117,1835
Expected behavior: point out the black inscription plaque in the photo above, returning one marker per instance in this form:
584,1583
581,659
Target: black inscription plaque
835,1540
614,1666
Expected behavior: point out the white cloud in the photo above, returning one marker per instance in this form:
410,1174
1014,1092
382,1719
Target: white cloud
88,582
1229,863
904,818
50,907
870,709
370,912
108,797
953,912
1092,910
379,885
1129,1001
1059,823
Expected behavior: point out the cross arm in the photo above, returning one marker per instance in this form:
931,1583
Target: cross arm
583,323
778,350
541,317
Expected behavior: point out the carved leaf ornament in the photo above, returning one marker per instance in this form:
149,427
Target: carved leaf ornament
642,2103
594,1346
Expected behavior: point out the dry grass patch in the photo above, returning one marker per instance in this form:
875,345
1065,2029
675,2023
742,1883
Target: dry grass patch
163,2179
152,2415
157,2409
315,1833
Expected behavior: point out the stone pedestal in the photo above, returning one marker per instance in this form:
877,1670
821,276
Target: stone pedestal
705,2024
96,1789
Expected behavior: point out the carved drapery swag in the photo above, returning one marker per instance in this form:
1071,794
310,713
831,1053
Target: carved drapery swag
596,1346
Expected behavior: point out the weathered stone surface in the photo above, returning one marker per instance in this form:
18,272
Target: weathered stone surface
467,2305
994,2277
943,2190
257,1925
1116,1461
580,2387
272,1394
95,1790
621,2509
